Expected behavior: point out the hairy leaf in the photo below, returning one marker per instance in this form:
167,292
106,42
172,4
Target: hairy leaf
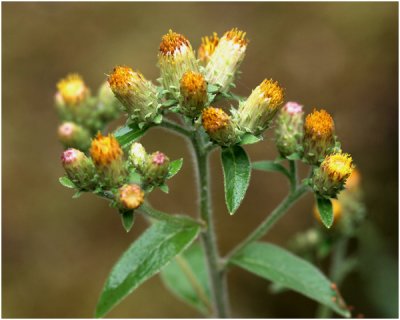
128,134
325,211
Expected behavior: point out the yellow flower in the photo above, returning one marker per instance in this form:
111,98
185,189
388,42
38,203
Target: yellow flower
319,125
72,89
173,42
207,47
105,150
131,196
219,126
193,90
338,166
255,114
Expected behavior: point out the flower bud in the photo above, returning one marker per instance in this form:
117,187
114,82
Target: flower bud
79,168
337,210
130,196
107,157
71,90
155,169
109,107
256,113
175,57
219,126
72,135
289,128
224,63
207,48
193,89
137,155
330,177
137,95
319,139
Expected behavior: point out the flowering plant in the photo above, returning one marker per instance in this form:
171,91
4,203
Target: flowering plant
119,169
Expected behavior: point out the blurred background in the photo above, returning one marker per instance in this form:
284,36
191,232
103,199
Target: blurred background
57,252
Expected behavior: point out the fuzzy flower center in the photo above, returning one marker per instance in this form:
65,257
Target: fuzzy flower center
319,123
339,165
105,150
131,196
173,42
158,158
214,119
122,78
72,89
192,83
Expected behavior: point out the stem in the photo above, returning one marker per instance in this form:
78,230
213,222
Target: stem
336,273
175,127
217,276
269,222
293,175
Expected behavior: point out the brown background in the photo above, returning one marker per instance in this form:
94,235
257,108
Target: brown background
57,251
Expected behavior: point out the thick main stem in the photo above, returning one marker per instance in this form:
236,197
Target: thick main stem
217,276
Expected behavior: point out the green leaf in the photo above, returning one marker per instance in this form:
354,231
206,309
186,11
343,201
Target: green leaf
77,194
267,165
293,156
164,188
128,134
66,182
212,88
128,218
282,267
144,258
325,211
169,103
249,139
158,119
236,167
186,276
174,167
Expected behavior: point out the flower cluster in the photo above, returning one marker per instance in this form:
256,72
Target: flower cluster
83,115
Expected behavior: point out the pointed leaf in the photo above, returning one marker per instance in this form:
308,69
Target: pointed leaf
325,211
164,188
128,218
174,167
249,139
236,167
282,267
272,166
186,276
144,258
128,134
66,182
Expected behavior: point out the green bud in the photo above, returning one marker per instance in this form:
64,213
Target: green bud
137,155
155,169
72,135
79,168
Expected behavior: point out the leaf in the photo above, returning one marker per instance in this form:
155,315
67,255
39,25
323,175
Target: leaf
158,119
164,188
325,211
186,276
267,165
169,103
236,167
77,194
174,167
66,182
144,258
282,267
249,139
212,88
128,134
293,156
128,218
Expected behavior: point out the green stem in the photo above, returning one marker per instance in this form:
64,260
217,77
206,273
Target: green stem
336,273
176,127
293,175
270,221
217,276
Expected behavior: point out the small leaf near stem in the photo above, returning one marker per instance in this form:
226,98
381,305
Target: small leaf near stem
325,211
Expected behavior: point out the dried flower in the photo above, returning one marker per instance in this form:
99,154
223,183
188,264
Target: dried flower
137,95
207,47
219,126
175,57
256,113
193,90
225,61
319,138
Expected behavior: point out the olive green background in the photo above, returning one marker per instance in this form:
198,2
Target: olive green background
57,252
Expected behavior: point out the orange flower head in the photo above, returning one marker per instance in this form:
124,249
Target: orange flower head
237,36
172,42
214,119
319,124
72,89
131,196
207,47
105,150
272,91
